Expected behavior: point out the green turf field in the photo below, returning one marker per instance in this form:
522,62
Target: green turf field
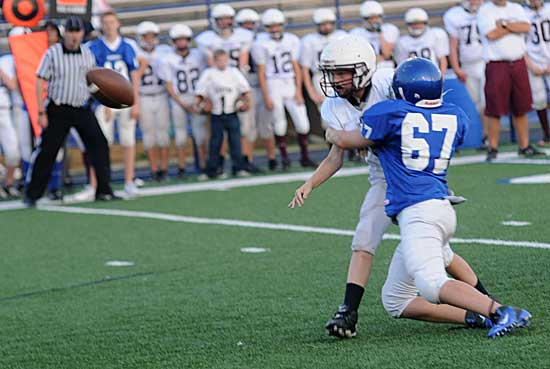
194,300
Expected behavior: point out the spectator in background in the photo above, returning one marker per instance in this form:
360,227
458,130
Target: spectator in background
466,55
503,26
382,36
229,93
423,41
538,61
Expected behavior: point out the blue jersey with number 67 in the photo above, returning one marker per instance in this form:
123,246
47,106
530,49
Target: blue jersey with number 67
414,144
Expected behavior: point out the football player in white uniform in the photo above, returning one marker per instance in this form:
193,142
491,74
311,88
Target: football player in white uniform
237,44
382,36
311,47
466,54
353,84
423,41
280,79
154,113
249,20
8,134
538,61
181,71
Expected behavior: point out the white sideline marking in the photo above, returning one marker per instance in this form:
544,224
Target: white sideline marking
515,223
119,263
534,179
253,250
224,185
271,226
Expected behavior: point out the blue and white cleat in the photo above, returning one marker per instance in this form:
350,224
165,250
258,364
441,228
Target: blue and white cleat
507,319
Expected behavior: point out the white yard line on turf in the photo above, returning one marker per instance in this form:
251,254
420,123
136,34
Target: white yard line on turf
223,185
270,226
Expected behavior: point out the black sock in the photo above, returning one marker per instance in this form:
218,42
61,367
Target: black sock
353,296
480,288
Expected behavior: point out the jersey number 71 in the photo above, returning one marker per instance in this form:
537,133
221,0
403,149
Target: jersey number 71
415,151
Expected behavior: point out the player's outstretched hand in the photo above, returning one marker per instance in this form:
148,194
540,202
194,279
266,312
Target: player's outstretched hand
300,195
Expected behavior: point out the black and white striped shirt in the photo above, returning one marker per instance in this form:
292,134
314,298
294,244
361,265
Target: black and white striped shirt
65,71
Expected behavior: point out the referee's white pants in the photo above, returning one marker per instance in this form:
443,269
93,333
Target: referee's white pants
8,138
539,87
181,119
22,124
419,262
126,125
282,93
154,120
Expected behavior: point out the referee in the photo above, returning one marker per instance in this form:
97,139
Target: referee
64,68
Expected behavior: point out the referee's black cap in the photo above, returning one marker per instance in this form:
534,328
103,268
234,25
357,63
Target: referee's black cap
74,24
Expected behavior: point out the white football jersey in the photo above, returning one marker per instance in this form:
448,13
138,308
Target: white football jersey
538,40
432,45
462,25
340,114
223,88
313,44
277,55
151,82
389,32
238,42
183,72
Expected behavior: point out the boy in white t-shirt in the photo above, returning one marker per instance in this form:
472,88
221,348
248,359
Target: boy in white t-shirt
229,92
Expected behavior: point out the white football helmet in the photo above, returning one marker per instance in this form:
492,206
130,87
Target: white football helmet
273,17
323,15
416,15
222,11
371,9
247,15
349,53
180,31
472,8
147,27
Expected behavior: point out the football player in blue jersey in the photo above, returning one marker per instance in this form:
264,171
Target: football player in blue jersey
415,137
114,52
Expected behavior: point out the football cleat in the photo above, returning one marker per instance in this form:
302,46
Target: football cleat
308,163
508,318
285,164
475,320
491,154
343,324
530,151
272,165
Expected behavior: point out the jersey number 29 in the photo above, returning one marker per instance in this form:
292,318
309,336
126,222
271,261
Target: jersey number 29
411,144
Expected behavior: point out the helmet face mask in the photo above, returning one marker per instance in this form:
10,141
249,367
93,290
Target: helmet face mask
417,29
344,80
149,40
534,4
471,6
373,23
326,28
275,31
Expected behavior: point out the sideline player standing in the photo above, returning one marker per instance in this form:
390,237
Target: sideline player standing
64,68
281,83
248,21
423,41
415,137
154,112
538,61
466,55
382,36
350,93
113,52
181,71
312,45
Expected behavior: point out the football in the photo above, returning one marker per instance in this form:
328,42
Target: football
110,88
205,106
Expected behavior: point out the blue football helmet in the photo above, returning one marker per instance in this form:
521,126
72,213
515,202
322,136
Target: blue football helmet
416,80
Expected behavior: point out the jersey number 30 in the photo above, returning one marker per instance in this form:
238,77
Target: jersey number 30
415,152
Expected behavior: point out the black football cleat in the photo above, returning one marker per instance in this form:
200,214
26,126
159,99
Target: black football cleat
272,164
475,320
343,324
308,163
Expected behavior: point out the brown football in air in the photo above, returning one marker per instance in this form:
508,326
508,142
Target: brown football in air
110,88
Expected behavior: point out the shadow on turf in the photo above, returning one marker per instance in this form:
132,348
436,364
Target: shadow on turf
85,284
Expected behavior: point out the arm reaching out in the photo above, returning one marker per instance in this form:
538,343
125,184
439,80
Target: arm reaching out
347,139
